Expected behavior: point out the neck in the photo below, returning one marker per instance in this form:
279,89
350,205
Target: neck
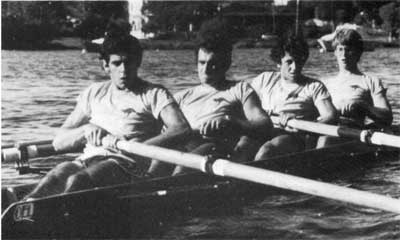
349,71
297,80
220,84
134,86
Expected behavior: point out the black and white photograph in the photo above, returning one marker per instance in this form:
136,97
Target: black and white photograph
151,119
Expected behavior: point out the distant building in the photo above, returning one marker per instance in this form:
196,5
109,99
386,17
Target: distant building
136,17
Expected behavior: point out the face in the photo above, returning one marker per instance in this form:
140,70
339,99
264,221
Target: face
123,70
346,56
211,66
291,67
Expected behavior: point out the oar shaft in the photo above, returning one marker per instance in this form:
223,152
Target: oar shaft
280,180
377,138
385,139
324,129
166,155
226,168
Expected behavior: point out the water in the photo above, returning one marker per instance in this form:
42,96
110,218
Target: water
39,90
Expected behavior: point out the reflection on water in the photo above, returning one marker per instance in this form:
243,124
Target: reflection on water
39,90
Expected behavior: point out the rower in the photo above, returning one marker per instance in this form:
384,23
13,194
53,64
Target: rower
290,94
344,22
356,95
125,107
221,111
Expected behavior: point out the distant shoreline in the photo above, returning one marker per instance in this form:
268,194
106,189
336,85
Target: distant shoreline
72,43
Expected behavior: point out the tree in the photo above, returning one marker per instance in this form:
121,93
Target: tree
390,14
169,16
96,15
34,24
30,24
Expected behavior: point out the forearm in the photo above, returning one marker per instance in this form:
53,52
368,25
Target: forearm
256,129
380,115
172,137
328,119
70,139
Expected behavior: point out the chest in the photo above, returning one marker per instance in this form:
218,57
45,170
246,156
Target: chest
277,95
210,102
349,91
122,106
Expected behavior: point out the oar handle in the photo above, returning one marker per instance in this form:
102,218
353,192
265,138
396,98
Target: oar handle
226,168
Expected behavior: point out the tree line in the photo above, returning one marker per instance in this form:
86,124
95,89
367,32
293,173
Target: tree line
33,24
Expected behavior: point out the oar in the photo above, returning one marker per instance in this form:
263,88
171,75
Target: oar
222,167
40,142
366,136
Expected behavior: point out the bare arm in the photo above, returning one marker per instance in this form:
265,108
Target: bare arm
327,112
177,128
381,112
73,134
177,131
258,123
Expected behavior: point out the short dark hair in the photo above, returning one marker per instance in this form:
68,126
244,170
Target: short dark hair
215,35
118,40
349,37
293,44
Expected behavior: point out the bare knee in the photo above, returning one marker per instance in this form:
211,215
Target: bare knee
54,181
61,173
265,151
64,170
79,181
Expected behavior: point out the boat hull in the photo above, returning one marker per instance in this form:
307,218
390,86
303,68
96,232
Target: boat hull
134,209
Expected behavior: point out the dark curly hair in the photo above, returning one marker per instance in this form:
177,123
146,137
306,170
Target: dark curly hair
117,39
215,35
293,44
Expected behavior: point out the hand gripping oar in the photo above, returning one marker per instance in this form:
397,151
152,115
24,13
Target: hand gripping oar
366,136
226,168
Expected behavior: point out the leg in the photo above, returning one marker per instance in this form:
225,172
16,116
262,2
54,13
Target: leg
104,173
281,144
324,141
55,180
245,149
203,149
160,169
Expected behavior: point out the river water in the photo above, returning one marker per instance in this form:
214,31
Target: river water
39,90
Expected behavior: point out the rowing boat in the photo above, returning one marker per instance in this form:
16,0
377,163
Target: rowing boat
140,207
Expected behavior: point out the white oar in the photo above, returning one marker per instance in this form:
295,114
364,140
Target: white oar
367,136
226,168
